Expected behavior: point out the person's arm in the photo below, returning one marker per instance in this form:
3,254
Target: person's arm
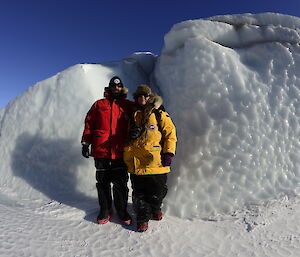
88,125
168,132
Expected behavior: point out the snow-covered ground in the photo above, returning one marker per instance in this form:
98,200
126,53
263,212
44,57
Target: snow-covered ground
55,229
231,84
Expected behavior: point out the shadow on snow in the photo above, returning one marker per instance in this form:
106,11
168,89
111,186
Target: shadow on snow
49,166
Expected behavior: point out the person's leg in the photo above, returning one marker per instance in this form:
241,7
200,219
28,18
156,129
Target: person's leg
119,178
156,191
103,188
141,206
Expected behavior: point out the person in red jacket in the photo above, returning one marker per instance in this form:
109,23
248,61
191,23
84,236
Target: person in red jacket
106,125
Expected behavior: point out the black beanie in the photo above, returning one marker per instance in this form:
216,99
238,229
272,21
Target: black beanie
115,81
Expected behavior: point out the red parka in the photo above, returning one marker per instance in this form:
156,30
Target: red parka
106,126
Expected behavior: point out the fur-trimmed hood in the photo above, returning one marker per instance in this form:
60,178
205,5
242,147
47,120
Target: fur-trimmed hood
154,100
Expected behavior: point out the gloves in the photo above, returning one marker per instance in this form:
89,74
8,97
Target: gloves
85,151
166,159
135,132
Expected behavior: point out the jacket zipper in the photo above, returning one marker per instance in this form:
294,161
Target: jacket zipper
110,132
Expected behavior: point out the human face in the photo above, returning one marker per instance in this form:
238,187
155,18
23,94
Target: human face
116,89
143,98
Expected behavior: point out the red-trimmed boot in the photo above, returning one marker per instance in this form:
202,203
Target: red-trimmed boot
126,220
101,219
142,227
158,215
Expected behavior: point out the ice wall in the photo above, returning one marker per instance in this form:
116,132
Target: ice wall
40,131
232,87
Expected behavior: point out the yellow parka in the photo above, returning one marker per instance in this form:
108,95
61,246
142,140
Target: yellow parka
143,156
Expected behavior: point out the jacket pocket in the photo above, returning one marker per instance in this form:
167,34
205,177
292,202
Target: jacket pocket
153,155
100,140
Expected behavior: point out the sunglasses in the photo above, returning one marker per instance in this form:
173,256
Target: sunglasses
116,85
145,95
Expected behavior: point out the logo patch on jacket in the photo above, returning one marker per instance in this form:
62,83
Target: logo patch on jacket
151,127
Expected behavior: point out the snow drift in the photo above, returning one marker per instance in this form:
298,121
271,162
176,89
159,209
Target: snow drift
231,84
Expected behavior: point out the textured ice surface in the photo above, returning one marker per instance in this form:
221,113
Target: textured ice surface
233,89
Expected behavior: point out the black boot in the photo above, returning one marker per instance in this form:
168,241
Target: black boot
105,202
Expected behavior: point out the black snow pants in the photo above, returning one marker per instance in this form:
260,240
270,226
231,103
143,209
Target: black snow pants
148,194
113,172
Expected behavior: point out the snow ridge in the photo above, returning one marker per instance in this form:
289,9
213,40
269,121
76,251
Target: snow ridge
235,31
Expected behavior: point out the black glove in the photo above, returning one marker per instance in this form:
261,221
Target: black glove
135,132
85,151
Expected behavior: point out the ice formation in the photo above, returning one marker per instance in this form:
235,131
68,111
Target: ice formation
41,131
231,85
233,89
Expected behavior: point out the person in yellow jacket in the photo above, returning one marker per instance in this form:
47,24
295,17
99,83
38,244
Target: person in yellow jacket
148,155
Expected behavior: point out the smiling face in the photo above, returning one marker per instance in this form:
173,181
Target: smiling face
142,99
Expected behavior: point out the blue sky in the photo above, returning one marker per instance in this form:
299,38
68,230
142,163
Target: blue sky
41,38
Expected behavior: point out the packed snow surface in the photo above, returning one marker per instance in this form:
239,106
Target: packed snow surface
231,84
